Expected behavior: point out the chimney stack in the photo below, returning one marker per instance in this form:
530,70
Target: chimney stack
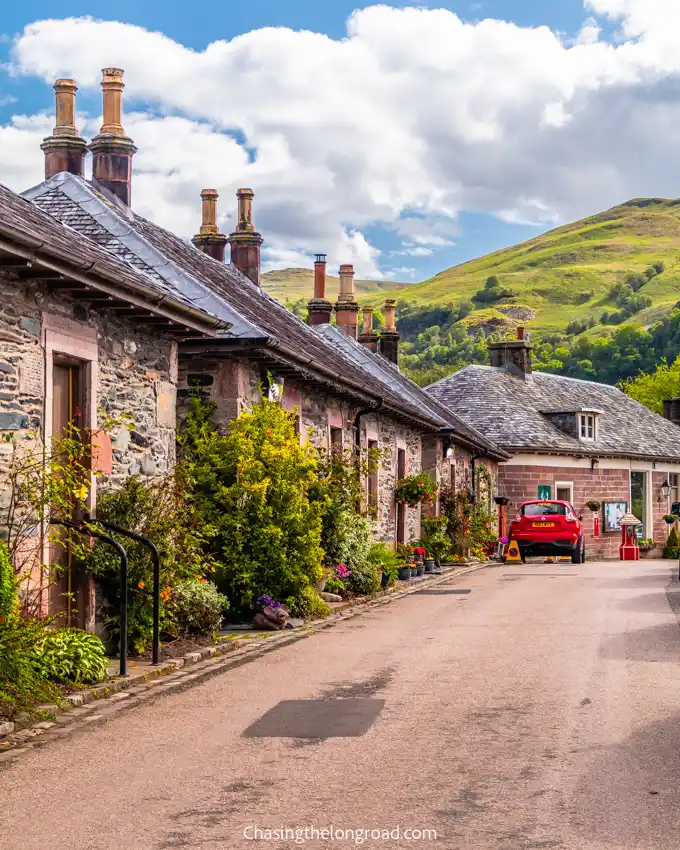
389,337
209,239
368,336
111,149
346,307
64,150
319,308
671,410
514,355
245,241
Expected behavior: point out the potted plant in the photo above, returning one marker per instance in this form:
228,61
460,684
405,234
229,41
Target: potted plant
415,489
669,519
404,572
436,539
501,500
646,545
429,565
593,505
419,554
420,568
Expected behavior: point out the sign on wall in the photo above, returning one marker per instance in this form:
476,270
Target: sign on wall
613,511
544,492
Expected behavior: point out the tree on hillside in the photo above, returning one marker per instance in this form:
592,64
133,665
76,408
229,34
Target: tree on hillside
651,390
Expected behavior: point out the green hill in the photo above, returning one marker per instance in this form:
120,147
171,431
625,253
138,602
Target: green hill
298,284
597,295
567,274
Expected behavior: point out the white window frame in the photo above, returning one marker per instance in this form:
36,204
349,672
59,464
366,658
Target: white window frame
565,485
587,427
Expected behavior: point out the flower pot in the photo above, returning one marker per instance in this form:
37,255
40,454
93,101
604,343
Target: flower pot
421,569
404,573
429,565
385,580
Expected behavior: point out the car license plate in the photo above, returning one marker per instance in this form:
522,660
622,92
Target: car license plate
543,524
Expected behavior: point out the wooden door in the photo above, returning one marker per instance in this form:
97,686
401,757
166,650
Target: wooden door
68,589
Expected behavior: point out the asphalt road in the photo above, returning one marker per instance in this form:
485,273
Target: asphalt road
541,710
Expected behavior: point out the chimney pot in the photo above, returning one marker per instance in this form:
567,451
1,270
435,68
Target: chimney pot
346,307
389,338
319,309
112,150
209,239
245,240
520,333
64,150
368,336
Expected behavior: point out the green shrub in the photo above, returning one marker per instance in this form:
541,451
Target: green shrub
9,598
21,683
435,538
385,560
672,544
334,585
252,492
198,607
308,604
70,655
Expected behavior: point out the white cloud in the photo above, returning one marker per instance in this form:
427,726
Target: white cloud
413,117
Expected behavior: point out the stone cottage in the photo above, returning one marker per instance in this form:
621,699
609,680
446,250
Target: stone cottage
345,392
570,439
83,332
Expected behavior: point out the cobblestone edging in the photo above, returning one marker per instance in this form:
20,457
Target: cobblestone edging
96,705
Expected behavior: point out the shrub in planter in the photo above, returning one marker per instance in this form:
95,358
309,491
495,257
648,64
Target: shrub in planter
435,538
672,545
386,560
70,655
197,607
669,519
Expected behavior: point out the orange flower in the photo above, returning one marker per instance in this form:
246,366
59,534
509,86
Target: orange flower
141,585
204,581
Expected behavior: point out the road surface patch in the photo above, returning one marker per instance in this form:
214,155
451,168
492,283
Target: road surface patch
456,591
311,718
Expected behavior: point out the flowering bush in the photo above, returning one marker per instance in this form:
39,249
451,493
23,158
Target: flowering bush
415,489
342,571
198,607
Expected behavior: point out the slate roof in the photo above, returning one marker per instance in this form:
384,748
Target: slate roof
515,414
389,376
27,227
179,268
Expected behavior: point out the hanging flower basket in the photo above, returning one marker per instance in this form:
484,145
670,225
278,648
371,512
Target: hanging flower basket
416,489
669,519
594,505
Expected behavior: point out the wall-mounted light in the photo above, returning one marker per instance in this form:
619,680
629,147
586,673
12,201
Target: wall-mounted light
594,464
666,489
450,452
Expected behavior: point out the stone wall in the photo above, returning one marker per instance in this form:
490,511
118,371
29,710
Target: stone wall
132,372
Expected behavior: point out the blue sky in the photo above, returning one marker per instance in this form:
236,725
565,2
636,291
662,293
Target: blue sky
524,186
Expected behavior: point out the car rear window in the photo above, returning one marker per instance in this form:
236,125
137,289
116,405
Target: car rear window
544,509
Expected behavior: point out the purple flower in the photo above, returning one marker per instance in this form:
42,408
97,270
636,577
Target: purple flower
265,601
503,540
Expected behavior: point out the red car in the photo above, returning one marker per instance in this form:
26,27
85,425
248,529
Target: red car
549,528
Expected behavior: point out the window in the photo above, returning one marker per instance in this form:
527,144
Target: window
564,491
674,481
587,426
336,439
544,509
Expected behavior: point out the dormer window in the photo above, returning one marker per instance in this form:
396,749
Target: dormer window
587,426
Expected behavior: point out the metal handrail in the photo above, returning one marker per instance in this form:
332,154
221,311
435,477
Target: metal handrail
155,557
87,531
